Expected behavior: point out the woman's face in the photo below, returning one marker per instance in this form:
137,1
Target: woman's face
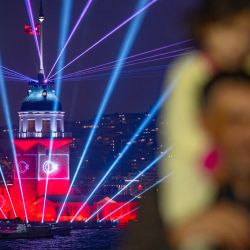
228,42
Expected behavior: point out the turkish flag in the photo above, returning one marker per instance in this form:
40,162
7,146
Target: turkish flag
30,31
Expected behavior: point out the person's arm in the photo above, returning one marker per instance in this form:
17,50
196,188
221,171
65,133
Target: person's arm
224,226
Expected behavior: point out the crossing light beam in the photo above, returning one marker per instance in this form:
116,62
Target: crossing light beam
125,49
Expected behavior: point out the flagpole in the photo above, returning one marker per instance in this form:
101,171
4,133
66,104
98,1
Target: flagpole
41,19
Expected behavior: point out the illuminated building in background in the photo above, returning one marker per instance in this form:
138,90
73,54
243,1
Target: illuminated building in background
39,122
42,161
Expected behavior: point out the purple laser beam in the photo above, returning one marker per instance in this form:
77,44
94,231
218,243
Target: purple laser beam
108,35
31,18
136,60
133,56
71,34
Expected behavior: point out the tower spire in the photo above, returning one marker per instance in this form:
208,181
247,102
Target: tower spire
41,20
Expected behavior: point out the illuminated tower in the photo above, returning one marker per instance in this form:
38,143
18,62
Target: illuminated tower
42,147
41,126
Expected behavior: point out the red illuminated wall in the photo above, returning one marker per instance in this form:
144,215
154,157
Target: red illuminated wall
112,206
32,155
52,208
34,165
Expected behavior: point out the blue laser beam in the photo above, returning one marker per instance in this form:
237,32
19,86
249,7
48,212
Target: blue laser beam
126,46
137,196
64,29
11,137
7,190
142,126
154,110
148,167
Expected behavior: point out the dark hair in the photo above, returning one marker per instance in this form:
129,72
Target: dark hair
211,11
238,78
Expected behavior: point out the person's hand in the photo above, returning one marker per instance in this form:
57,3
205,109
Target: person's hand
223,225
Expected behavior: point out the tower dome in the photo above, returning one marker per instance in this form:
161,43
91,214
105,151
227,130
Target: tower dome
41,98
41,113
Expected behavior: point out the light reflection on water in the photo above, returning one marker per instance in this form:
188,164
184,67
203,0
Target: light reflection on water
90,239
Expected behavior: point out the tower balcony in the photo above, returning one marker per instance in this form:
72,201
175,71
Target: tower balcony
45,135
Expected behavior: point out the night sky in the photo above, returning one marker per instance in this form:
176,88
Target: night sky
163,24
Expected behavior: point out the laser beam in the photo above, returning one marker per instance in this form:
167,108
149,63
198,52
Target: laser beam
14,78
3,213
126,46
125,59
11,137
31,19
84,11
7,190
11,76
129,212
134,62
137,196
148,167
142,126
109,34
143,71
15,72
154,110
64,27
89,75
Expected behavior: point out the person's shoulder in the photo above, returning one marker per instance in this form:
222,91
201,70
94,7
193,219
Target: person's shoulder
191,67
191,63
247,66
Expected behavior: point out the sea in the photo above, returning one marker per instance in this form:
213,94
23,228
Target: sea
103,239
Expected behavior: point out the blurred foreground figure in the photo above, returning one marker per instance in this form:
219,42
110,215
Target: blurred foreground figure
225,223
221,31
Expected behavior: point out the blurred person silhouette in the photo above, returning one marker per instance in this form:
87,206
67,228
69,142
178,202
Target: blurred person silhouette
225,117
224,224
221,32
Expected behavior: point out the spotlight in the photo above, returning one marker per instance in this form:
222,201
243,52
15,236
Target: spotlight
108,35
137,196
126,186
68,5
11,137
126,46
64,27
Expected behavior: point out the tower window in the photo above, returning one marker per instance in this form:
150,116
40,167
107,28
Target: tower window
31,126
58,126
46,126
21,125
